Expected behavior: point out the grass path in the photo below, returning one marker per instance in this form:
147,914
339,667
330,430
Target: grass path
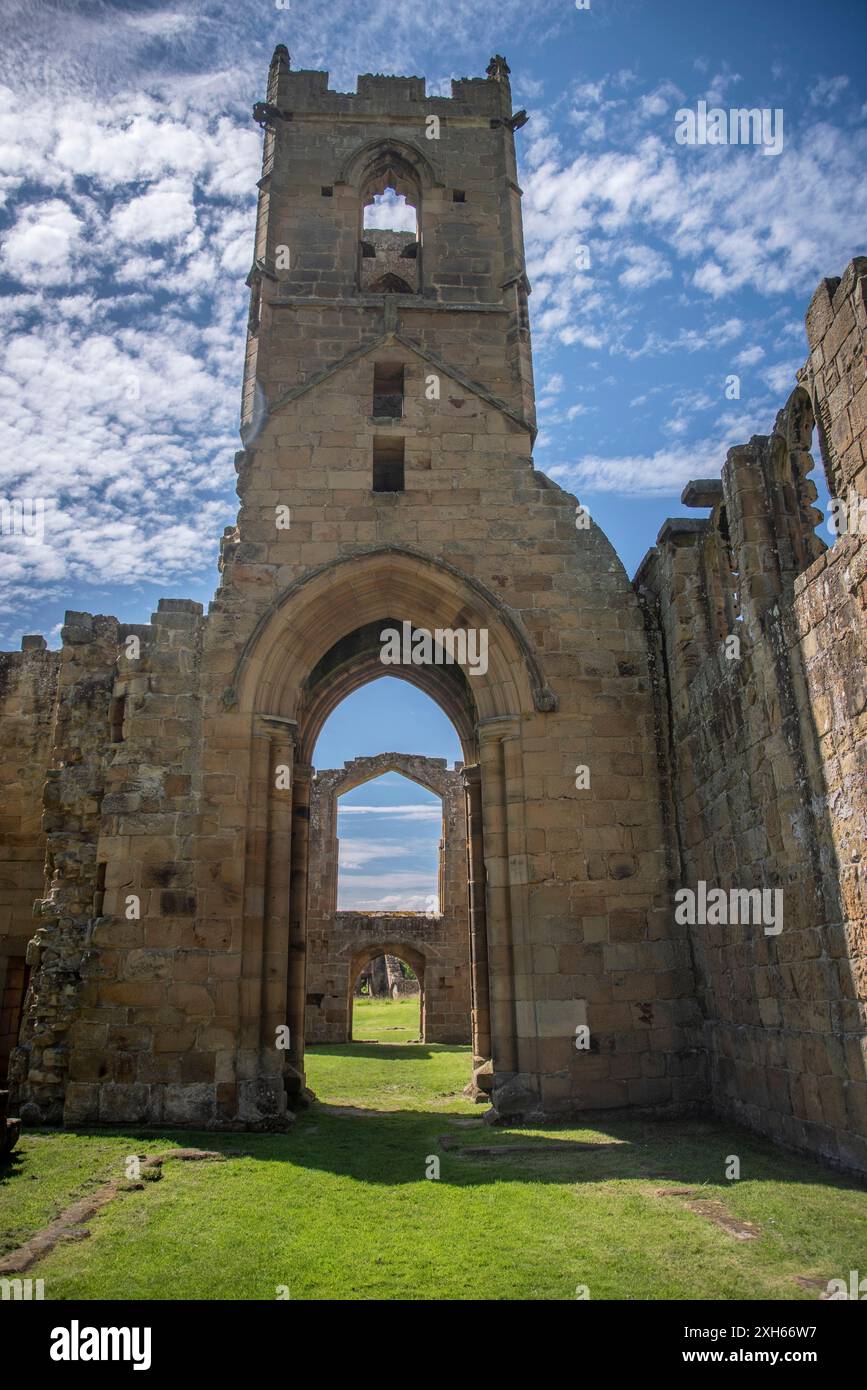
341,1207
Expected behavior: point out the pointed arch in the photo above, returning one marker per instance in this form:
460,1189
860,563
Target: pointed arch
320,639
378,156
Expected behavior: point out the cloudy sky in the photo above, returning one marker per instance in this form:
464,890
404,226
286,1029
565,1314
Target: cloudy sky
389,832
128,164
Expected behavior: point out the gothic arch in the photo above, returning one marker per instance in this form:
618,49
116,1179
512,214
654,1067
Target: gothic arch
413,955
319,614
404,157
430,773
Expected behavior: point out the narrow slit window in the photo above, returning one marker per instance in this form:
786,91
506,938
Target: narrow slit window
388,390
99,890
117,714
459,196
388,465
327,190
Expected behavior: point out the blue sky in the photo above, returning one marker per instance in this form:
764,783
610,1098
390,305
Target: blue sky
128,163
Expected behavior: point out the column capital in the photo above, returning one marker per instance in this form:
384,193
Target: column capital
280,724
498,727
471,776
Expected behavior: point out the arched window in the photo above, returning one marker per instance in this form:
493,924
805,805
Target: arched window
389,225
390,284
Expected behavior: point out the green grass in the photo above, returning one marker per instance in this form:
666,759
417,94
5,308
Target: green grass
341,1207
385,1020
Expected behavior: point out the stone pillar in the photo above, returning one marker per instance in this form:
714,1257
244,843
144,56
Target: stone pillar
526,1031
497,904
277,936
481,1002
297,938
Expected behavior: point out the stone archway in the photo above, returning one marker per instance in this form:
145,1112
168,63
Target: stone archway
413,956
318,642
335,937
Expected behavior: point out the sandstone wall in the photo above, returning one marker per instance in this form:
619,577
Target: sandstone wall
766,756
171,957
28,687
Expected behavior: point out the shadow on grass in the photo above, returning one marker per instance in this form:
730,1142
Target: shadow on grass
392,1148
11,1165
382,1051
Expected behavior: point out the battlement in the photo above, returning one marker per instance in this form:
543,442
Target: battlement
307,92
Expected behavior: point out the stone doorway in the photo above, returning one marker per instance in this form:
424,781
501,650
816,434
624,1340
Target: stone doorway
435,943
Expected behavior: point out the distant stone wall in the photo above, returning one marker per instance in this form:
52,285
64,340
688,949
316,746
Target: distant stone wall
395,255
763,743
435,944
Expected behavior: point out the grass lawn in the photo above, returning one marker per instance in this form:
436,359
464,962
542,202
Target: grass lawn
341,1207
385,1020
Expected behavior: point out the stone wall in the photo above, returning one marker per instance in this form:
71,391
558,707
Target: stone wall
763,742
388,258
122,969
28,689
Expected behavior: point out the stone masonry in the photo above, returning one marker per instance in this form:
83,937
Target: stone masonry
159,798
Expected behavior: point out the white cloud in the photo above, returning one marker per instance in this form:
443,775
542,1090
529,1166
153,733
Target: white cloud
164,213
354,854
750,356
781,377
661,99
645,268
828,90
43,244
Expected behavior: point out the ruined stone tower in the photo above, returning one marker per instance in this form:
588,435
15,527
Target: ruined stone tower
386,482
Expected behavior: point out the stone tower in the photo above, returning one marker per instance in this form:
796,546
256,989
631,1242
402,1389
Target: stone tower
386,479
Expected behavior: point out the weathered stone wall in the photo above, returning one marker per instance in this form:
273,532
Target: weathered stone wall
28,686
124,986
764,743
395,254
573,881
340,944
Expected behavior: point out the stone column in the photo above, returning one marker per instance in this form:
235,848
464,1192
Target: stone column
276,949
251,1050
497,902
481,1003
296,994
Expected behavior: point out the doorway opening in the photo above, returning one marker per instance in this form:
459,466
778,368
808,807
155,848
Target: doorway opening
387,1001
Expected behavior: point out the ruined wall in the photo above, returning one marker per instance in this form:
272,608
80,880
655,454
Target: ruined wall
121,972
763,742
340,943
28,686
174,930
